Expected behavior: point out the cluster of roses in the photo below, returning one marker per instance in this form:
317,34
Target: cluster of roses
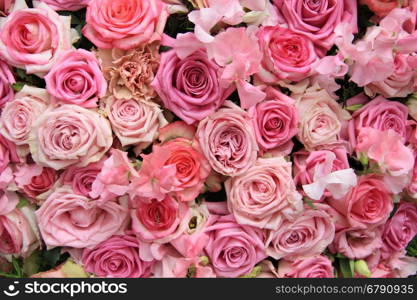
115,159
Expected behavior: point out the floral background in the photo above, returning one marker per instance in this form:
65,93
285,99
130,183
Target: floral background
208,138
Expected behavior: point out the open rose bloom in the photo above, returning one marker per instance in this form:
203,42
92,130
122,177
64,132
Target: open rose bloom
208,138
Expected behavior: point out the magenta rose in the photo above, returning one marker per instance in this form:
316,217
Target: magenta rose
34,38
265,195
287,54
76,78
311,267
124,24
400,229
228,141
160,221
81,179
189,87
6,81
357,242
309,234
5,7
368,203
18,232
20,114
35,180
274,121
317,19
69,135
116,257
233,249
71,5
380,114
71,220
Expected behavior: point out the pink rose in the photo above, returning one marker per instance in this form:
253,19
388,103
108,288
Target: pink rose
274,121
401,83
34,38
71,5
69,135
400,229
287,54
382,7
8,201
317,19
76,78
311,267
265,195
233,249
310,166
116,257
357,242
158,220
308,235
368,203
5,6
172,266
190,87
190,168
228,141
7,153
134,122
19,114
6,81
124,24
70,220
18,232
35,180
81,179
321,119
380,114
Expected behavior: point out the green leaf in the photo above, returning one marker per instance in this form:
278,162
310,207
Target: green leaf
412,247
354,107
309,202
32,263
50,258
22,202
18,86
16,263
347,267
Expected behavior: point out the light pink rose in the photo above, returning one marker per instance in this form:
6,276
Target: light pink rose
19,114
5,6
400,229
6,81
174,266
116,257
69,135
113,179
34,38
275,121
159,221
134,122
308,235
71,5
382,7
7,153
317,19
357,242
401,83
228,141
124,24
311,267
81,179
70,220
76,78
287,54
265,195
188,163
368,203
380,114
310,166
321,119
34,180
234,249
18,232
190,86
8,201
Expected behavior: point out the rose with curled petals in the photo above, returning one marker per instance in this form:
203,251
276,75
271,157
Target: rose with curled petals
71,5
6,81
311,267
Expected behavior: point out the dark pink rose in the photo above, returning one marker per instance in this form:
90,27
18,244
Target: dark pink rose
117,257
